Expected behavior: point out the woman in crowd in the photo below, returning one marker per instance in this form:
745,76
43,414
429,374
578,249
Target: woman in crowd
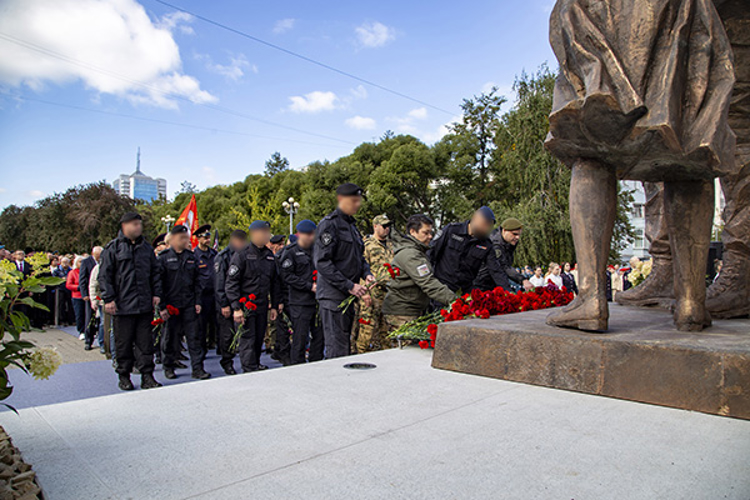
554,275
71,284
537,280
569,281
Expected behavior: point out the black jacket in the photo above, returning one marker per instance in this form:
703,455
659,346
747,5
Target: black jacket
180,279
88,264
296,267
207,269
569,282
253,270
338,255
504,252
457,257
221,266
129,275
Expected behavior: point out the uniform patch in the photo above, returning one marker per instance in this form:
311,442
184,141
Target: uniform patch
286,264
233,270
216,267
481,247
326,238
423,270
457,237
270,257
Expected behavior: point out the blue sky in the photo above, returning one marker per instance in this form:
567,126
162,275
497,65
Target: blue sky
146,60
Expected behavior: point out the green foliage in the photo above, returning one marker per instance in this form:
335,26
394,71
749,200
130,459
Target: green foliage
488,158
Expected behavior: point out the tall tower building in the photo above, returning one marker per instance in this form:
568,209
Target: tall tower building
140,186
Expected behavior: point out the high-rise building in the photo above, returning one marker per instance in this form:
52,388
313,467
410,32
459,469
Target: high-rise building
139,186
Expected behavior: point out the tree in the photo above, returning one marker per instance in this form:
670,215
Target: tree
276,164
186,187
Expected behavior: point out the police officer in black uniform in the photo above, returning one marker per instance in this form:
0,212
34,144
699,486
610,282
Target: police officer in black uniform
461,250
207,318
237,243
279,332
297,271
182,290
253,272
130,290
338,256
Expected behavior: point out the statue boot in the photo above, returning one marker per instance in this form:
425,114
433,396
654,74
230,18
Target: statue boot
656,290
729,296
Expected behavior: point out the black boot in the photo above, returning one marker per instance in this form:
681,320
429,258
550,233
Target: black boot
201,374
229,370
178,364
148,381
169,373
125,384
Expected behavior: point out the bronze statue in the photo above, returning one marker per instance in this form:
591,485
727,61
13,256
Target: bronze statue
729,295
643,93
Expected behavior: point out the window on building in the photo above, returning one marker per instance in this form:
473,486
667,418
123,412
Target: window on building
638,211
639,243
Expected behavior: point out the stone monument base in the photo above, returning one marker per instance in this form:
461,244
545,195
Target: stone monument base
643,358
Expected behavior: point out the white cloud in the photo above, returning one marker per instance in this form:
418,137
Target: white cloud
177,20
418,113
359,93
209,173
112,47
374,34
283,25
314,102
35,193
360,123
233,71
405,124
2,190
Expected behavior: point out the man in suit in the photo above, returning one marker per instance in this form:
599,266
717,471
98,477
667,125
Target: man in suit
24,268
88,264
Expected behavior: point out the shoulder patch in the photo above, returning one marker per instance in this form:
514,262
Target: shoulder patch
286,264
233,269
216,266
423,270
326,238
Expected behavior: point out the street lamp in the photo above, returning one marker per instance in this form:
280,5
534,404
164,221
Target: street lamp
291,207
167,220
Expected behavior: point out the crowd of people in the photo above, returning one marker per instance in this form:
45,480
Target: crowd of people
323,292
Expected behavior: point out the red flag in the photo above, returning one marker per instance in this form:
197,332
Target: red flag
189,218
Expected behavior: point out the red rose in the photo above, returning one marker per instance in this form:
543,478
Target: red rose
363,321
484,314
424,344
397,271
432,329
243,300
251,297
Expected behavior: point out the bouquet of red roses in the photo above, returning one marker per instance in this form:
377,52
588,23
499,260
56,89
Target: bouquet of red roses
482,305
158,322
249,307
393,271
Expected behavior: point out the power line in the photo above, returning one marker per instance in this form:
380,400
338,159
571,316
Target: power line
166,122
83,64
305,58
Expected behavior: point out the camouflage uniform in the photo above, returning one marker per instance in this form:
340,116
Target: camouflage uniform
372,329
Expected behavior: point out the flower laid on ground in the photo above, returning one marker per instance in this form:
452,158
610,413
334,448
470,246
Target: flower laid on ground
482,305
393,271
44,362
640,271
363,321
250,306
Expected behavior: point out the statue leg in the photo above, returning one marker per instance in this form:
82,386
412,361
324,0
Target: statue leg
658,289
689,214
593,205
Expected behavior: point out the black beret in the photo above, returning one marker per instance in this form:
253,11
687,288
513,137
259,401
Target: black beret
129,216
205,228
349,189
179,229
277,238
159,240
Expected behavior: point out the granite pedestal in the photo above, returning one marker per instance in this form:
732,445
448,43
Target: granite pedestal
643,358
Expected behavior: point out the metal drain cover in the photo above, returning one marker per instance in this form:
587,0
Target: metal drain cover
360,366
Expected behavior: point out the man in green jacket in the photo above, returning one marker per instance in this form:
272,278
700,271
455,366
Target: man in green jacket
410,292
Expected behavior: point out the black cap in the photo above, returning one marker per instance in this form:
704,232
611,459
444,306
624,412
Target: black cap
238,233
349,189
130,216
277,238
159,240
205,228
179,229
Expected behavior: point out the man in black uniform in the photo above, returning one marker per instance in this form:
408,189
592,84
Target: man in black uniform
338,256
131,289
237,243
278,333
207,318
462,248
182,290
505,241
297,271
253,272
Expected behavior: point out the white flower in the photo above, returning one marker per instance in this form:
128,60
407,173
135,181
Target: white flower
44,362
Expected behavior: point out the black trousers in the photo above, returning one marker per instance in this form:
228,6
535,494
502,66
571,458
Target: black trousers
91,327
337,327
251,341
133,345
305,326
226,329
183,324
207,321
282,347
